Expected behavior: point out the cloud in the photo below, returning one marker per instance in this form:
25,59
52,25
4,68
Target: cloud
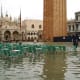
30,8
72,7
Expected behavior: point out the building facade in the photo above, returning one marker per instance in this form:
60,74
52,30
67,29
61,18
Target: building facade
19,30
16,30
34,29
73,26
9,29
54,19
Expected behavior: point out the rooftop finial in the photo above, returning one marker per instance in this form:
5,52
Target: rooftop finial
6,14
1,12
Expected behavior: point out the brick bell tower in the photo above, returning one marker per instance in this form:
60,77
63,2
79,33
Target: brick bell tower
54,19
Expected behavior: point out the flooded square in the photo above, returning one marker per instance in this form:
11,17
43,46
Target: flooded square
58,65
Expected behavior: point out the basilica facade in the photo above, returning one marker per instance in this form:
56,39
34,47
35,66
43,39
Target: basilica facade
20,30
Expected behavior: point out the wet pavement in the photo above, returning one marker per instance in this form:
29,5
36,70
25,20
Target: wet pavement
42,66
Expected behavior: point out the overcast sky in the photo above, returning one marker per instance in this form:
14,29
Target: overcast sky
33,9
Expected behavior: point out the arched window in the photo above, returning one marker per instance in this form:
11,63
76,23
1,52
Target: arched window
15,35
32,25
35,38
34,33
31,33
7,35
28,38
32,38
40,26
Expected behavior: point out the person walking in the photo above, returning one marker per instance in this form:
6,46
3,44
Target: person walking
75,39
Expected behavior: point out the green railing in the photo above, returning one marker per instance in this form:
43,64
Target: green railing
18,49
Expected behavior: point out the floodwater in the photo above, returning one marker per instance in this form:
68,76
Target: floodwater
47,66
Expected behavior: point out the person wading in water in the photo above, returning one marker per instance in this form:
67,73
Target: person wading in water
75,39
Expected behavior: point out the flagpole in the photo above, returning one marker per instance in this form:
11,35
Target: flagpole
20,20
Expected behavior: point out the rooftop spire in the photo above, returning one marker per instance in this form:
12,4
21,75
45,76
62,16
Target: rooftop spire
20,19
1,12
6,14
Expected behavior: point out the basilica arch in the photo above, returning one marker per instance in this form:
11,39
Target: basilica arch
7,35
15,35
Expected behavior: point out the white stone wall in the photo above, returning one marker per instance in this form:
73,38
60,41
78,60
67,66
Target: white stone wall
79,17
36,29
79,27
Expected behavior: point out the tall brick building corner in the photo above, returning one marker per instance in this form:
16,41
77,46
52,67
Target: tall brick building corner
55,22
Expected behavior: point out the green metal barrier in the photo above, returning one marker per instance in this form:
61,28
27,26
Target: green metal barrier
17,49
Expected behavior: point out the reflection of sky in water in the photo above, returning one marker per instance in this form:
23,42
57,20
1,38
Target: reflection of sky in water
50,66
73,66
22,69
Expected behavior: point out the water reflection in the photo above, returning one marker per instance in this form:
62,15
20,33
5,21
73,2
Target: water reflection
39,66
54,66
73,66
26,68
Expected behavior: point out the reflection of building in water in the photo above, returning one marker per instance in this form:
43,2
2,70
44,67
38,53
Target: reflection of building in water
53,67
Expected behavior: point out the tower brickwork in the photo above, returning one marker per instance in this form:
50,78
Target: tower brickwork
54,20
